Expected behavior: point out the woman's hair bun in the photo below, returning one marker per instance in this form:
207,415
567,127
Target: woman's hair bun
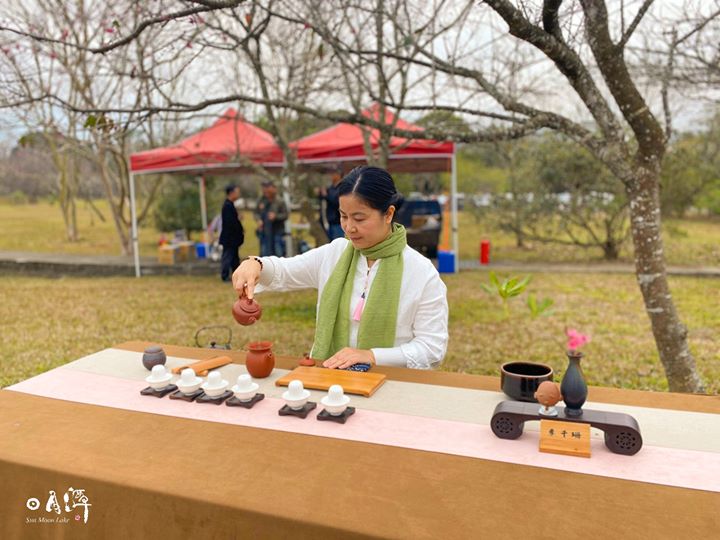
397,200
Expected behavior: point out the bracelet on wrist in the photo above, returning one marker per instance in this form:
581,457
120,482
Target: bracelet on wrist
258,259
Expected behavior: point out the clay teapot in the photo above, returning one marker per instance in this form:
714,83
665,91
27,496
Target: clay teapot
260,359
246,311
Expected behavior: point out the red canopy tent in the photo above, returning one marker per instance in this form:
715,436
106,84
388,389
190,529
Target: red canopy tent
344,145
229,145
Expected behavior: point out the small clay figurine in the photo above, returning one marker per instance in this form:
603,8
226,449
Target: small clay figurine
548,394
246,311
153,356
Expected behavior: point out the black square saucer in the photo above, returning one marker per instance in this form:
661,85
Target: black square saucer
187,397
340,418
301,413
217,400
150,391
235,402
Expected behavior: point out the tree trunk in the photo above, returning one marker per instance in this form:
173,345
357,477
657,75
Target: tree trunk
670,333
66,190
67,207
73,230
611,250
316,231
115,207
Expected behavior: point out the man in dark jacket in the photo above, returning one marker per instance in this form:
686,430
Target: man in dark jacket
331,196
270,215
232,234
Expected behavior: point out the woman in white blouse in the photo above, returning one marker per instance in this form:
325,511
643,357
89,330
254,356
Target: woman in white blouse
379,301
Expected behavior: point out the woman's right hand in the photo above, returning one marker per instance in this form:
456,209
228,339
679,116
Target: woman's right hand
246,276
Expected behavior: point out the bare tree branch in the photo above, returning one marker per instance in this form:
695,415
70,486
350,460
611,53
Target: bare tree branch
205,7
633,107
550,18
634,24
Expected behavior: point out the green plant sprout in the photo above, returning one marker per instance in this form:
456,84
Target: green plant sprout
541,307
509,288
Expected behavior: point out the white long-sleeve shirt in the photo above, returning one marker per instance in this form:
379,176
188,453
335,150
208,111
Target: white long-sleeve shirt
421,335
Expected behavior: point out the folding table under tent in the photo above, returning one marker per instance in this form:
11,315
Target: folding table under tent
229,145
344,145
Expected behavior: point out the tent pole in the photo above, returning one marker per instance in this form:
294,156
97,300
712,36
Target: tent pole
289,247
136,251
203,212
454,210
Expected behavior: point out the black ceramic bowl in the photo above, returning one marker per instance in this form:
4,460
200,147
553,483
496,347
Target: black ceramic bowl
520,380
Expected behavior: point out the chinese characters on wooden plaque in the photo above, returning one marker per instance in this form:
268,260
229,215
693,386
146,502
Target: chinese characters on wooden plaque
568,438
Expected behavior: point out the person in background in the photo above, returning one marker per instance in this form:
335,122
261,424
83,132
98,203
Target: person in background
232,234
331,197
270,216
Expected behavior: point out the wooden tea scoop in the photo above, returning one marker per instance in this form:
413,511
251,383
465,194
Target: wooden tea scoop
201,367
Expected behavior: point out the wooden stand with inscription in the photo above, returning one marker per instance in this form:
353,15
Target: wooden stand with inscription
567,438
622,433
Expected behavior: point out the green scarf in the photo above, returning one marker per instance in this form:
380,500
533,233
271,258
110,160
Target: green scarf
379,318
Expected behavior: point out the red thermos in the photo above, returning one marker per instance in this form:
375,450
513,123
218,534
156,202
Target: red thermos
485,252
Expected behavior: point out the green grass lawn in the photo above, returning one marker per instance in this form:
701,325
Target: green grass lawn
39,227
47,322
688,242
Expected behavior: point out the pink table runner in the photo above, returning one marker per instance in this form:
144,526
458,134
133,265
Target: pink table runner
673,467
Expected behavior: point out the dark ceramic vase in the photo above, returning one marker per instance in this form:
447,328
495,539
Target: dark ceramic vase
153,356
573,387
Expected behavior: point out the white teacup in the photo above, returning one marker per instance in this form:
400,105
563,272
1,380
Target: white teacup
296,396
215,384
159,378
189,383
245,389
336,401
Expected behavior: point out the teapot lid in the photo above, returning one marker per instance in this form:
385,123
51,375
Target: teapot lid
246,305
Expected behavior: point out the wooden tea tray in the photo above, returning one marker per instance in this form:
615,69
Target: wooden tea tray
317,378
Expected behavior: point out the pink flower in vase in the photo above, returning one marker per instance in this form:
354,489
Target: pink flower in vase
575,339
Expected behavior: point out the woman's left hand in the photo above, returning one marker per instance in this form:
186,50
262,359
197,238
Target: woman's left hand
347,357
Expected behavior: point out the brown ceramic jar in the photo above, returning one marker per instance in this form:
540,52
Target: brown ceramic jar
260,359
